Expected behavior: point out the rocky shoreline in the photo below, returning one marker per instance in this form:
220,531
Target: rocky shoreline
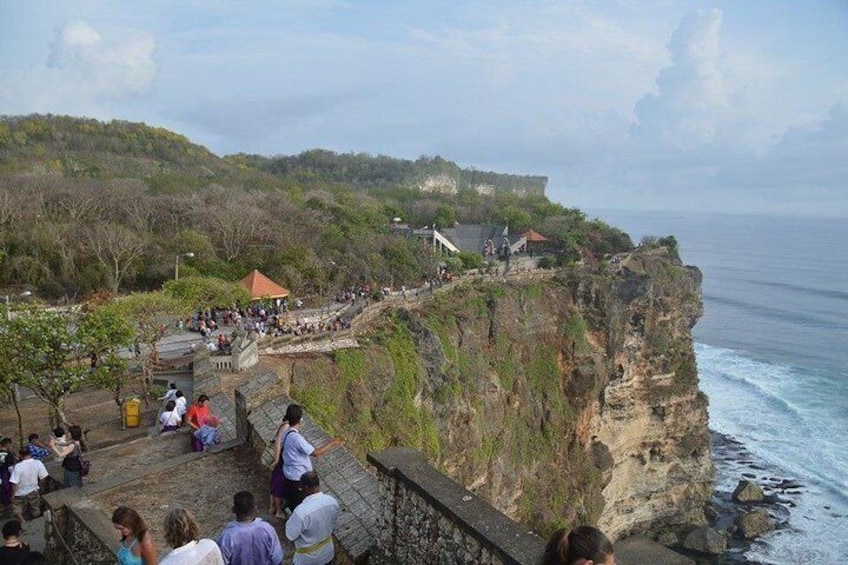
743,487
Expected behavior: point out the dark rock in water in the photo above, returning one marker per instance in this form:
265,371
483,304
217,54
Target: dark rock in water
706,540
789,484
746,491
754,523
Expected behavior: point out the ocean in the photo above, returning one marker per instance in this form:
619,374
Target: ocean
772,351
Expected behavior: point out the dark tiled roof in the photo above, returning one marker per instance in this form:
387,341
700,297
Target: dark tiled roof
472,237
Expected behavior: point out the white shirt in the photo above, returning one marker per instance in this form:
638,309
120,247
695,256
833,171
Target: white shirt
311,523
181,406
26,475
171,394
203,552
171,418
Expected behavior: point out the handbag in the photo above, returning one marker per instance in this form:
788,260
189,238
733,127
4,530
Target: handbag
85,465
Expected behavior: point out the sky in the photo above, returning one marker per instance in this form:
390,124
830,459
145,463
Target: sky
727,106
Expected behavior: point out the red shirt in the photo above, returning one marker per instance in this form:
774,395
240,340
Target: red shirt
197,414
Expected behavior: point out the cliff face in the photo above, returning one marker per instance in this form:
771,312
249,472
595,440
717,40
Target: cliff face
561,400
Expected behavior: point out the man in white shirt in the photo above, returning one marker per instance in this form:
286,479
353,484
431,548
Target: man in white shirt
310,527
25,476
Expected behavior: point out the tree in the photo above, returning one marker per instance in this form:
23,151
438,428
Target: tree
117,248
151,314
49,352
206,292
107,333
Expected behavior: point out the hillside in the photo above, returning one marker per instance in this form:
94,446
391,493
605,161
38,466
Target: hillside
87,205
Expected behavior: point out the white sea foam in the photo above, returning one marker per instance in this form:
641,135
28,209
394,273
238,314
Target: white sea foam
780,414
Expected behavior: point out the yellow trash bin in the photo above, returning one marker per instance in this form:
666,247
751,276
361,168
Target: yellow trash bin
132,412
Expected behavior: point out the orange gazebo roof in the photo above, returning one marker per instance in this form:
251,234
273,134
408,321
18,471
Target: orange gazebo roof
534,236
260,286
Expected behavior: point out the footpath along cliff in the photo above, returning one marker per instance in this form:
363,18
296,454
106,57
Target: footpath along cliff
565,399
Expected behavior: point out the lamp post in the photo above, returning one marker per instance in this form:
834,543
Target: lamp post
8,299
188,255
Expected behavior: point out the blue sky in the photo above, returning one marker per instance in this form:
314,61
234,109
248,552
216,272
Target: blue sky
737,106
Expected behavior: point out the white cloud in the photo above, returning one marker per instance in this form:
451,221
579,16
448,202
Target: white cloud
83,73
692,97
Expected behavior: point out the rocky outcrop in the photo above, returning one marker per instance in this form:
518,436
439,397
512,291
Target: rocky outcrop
567,400
746,491
706,540
754,523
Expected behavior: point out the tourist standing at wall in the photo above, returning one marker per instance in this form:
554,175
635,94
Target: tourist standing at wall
183,534
136,546
296,456
310,527
25,478
249,540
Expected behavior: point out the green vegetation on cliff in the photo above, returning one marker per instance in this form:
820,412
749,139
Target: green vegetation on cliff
503,385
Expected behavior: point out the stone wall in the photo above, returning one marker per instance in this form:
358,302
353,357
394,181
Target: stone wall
77,527
428,518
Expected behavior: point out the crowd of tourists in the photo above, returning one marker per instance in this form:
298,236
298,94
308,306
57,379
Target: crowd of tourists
296,496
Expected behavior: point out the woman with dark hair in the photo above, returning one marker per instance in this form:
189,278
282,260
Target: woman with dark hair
182,533
71,453
136,546
583,545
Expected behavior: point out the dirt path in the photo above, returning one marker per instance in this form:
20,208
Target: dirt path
93,410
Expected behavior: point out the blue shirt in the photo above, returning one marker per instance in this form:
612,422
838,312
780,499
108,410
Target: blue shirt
248,543
296,452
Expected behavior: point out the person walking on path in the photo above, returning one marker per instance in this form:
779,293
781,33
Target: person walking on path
310,527
25,478
249,540
183,534
296,453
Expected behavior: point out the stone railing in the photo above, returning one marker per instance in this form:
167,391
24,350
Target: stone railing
244,354
428,518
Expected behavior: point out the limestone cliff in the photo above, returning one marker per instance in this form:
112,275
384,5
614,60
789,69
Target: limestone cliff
564,399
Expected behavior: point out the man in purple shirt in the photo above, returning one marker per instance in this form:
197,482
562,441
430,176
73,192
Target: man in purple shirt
249,540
